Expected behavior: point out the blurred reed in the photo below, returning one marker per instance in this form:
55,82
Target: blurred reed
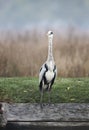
23,52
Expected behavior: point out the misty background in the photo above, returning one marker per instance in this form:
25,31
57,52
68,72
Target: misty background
24,43
51,13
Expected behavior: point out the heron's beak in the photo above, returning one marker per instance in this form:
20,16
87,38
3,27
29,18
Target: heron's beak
47,34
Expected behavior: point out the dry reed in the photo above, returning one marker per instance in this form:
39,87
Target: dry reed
22,53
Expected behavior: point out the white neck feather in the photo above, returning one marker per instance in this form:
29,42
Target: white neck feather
50,53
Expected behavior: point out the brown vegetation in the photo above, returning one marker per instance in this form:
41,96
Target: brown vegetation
22,53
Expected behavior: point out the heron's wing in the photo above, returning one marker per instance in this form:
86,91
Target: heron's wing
55,70
42,71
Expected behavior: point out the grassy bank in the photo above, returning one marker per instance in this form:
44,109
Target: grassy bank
26,90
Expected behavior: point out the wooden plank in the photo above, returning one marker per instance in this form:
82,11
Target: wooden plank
63,112
63,116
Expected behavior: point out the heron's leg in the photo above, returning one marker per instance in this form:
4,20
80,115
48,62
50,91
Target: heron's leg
41,99
49,93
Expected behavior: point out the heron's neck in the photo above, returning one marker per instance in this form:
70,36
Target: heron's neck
50,51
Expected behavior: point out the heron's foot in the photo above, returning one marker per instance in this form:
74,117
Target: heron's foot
49,103
41,105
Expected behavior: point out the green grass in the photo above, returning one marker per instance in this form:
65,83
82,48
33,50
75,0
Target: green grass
26,90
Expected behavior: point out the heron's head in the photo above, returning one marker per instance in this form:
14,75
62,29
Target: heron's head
50,34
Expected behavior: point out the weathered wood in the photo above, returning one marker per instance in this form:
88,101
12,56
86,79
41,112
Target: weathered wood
43,126
53,113
64,115
3,115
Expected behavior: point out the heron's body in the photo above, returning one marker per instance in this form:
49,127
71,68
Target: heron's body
47,76
48,70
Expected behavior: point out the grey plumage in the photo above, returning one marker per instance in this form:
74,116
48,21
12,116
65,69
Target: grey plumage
48,70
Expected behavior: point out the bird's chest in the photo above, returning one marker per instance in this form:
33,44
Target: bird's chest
49,75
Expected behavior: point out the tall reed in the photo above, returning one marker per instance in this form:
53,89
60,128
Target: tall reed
22,53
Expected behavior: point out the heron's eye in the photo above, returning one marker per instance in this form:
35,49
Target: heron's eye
51,33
